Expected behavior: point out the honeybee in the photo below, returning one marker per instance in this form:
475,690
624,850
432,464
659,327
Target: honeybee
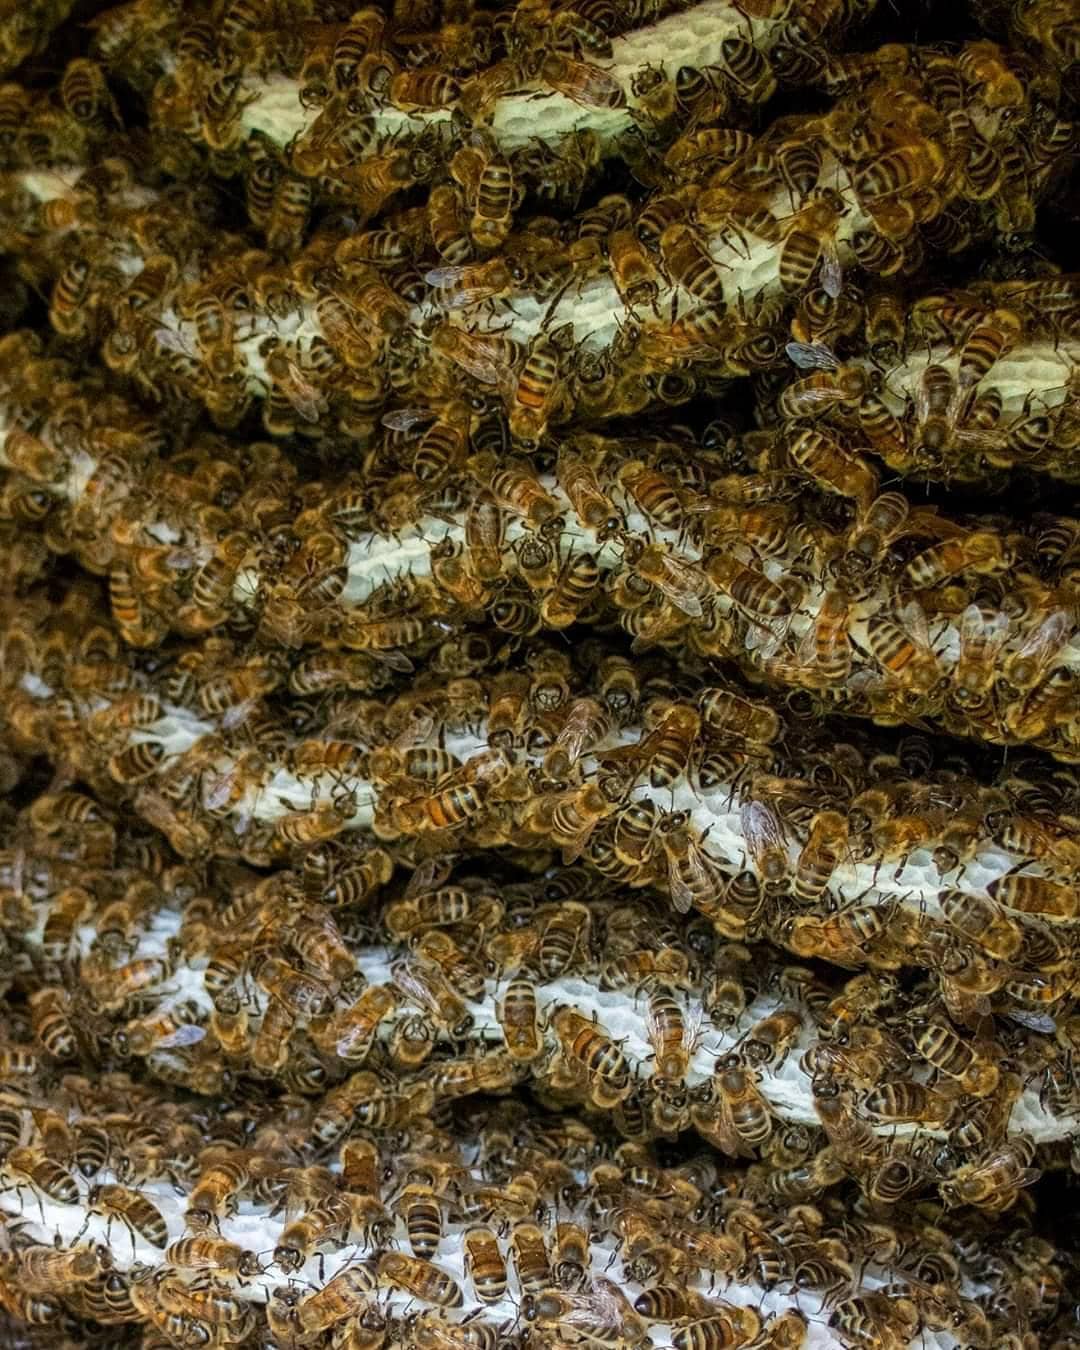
422,1279
983,633
537,394
632,269
343,1298
993,1182
30,455
177,1027
980,552
1052,901
517,1015
424,983
303,828
492,191
582,82
461,970
765,843
223,101
690,265
600,1313
653,493
212,585
877,1319
290,391
902,648
71,302
810,239
1026,666
66,910
674,1041
770,1041
833,468
303,994
591,1050
484,1264
682,582
593,507
586,723
121,985
950,1054
831,383
350,1033
51,1023
983,922
133,1210
463,285
448,225
841,937
636,833
821,854
901,1101
515,487
695,879
575,586
530,1256
41,1269
204,1306
730,716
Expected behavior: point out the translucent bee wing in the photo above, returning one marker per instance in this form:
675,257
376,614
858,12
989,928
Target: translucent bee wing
173,340
395,660
832,275
811,356
406,419
189,1034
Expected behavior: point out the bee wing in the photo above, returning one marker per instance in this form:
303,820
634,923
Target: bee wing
726,1133
419,730
976,627
237,714
680,582
653,1030
1046,637
430,875
408,979
217,787
303,396
681,895
832,274
584,83
189,1034
760,828
811,356
603,1305
463,295
406,419
394,660
573,850
474,356
913,618
173,340
971,439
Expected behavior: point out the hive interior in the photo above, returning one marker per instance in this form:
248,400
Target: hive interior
539,646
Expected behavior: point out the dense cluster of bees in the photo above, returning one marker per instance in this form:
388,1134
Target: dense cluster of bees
801,566
483,860
359,1149
453,1215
